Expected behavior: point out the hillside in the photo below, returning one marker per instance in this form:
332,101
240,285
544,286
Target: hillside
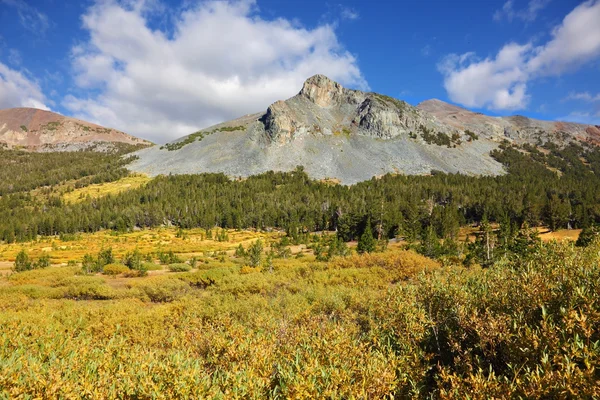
351,136
40,130
515,128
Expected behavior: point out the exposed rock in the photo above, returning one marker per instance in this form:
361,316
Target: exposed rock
350,136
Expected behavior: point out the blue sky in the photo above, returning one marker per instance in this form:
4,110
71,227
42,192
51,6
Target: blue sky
161,69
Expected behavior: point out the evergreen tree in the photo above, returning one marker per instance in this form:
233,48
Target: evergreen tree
254,254
587,236
89,264
430,243
42,262
22,262
366,243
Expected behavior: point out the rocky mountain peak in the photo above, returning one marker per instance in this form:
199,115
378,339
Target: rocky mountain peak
322,91
352,136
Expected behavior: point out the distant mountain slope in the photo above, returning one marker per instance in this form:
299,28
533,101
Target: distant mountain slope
518,128
347,135
41,130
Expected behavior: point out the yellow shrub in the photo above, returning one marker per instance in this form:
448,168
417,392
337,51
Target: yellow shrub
114,269
249,270
405,264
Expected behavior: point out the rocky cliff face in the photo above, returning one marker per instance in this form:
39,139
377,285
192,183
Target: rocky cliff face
40,130
350,136
325,107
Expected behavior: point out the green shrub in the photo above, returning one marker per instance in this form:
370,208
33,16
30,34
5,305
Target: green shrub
169,258
150,266
22,262
114,269
42,262
163,290
179,267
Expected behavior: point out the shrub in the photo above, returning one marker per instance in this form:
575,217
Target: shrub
114,269
150,266
105,257
164,290
90,265
249,270
42,262
169,258
22,262
133,260
87,290
179,267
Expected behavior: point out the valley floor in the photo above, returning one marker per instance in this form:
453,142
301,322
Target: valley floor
390,324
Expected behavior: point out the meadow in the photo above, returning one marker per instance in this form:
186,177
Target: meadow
392,324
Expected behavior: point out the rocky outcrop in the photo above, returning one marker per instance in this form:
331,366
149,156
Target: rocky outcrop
350,136
325,107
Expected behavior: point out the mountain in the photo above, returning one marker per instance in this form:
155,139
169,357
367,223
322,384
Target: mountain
514,128
350,136
41,130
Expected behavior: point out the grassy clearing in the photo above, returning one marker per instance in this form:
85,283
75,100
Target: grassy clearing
104,189
186,243
545,234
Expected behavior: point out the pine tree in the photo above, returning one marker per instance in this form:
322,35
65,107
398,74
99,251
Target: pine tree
254,254
22,262
366,243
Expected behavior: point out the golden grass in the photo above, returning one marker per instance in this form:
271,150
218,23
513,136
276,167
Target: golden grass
193,242
563,234
545,234
104,189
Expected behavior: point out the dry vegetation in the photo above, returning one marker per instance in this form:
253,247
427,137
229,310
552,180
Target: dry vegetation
103,189
392,324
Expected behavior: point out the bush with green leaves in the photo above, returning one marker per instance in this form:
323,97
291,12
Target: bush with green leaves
22,262
114,269
180,267
169,257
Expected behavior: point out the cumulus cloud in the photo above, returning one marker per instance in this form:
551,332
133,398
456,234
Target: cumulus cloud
528,14
221,61
500,82
16,90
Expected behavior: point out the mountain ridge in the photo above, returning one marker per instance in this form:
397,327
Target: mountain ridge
349,135
40,130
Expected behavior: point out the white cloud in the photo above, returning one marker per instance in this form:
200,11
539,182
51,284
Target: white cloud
222,61
584,96
426,51
14,57
30,17
349,14
16,90
501,82
528,14
582,117
498,83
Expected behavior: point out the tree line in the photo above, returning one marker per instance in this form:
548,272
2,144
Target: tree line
558,188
